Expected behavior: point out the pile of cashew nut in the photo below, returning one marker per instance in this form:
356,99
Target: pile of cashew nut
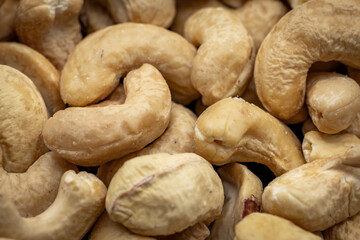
179,119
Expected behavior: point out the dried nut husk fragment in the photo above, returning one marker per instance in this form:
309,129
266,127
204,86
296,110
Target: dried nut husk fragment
161,194
346,230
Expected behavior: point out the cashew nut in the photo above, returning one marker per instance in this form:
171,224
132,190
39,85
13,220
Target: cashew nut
94,16
7,19
224,61
346,230
90,136
321,30
233,130
22,117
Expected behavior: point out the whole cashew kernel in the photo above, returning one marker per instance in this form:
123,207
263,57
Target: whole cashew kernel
94,68
346,230
233,130
321,30
7,19
154,194
90,136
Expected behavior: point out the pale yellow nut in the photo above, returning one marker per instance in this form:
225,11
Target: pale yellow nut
346,230
260,226
93,16
97,63
225,58
233,130
7,19
34,65
50,27
90,136
22,117
320,30
161,194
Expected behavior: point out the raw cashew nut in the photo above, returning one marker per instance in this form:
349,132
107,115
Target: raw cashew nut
233,130
161,194
34,65
90,136
319,194
7,19
224,61
50,27
259,226
321,30
22,117
94,16
346,230
79,202
97,63
243,191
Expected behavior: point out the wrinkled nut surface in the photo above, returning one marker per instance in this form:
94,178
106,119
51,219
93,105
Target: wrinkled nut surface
35,66
161,194
333,100
259,226
93,16
243,191
22,117
97,63
233,130
90,136
7,20
346,230
321,30
224,61
331,187
79,202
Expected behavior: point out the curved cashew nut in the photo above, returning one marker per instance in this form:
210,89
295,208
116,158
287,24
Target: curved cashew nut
348,229
34,65
304,36
22,117
243,191
94,17
319,194
114,51
224,61
7,20
91,136
50,27
233,130
150,194
79,202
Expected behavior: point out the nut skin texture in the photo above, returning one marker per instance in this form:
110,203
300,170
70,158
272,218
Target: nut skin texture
224,61
259,226
321,30
233,130
22,117
94,68
80,136
7,20
346,230
34,65
317,195
161,194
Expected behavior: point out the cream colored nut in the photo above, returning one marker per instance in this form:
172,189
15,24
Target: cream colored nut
177,138
79,202
224,61
197,232
259,226
333,100
7,19
22,117
32,192
233,130
346,230
319,194
97,63
94,16
321,30
318,145
90,136
34,65
161,194
50,27
243,191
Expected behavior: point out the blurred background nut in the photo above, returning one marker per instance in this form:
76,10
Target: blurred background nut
94,16
346,230
161,194
7,20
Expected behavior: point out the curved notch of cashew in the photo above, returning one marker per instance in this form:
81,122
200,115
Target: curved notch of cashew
34,65
258,226
116,50
307,34
79,202
94,17
22,117
91,136
224,61
233,130
7,20
348,229
42,25
243,191
319,194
